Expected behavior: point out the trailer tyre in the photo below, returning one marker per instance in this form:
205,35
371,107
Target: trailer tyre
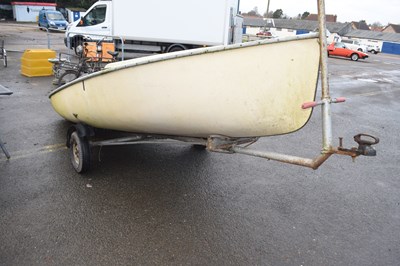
79,153
67,76
199,147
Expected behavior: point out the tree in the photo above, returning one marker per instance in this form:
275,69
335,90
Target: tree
305,15
268,15
376,24
278,13
253,12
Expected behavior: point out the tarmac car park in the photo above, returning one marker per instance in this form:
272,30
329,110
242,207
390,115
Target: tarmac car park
172,205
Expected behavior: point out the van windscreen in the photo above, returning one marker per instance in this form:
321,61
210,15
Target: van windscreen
55,16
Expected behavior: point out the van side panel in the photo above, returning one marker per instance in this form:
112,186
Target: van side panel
205,22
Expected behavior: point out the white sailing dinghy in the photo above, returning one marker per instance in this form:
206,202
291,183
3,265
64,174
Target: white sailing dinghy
246,90
221,97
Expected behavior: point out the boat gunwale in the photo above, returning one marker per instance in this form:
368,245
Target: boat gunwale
162,57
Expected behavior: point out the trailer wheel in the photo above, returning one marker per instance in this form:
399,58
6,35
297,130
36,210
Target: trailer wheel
199,147
67,76
79,152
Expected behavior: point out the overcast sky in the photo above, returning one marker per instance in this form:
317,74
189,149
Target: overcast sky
383,11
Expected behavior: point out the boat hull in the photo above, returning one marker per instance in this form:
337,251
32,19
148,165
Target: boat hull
255,90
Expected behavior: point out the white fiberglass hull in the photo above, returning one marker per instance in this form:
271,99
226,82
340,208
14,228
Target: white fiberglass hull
248,90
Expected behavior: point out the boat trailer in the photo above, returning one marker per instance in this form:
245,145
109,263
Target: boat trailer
81,138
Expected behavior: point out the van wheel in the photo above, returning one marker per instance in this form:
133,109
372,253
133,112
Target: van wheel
78,46
176,48
359,49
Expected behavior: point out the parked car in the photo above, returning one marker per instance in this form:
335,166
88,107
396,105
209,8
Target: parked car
341,49
265,34
355,45
52,19
373,48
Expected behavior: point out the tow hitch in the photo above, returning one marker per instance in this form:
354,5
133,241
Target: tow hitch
364,145
365,148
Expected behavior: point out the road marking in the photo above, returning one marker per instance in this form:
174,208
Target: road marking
367,80
372,93
38,151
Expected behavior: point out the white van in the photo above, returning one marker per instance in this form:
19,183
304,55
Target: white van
355,45
173,25
373,46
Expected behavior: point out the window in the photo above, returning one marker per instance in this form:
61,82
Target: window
340,45
55,16
96,16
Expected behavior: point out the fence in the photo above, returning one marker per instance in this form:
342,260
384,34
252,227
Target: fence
391,48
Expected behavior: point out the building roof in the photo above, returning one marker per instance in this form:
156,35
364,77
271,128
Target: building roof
32,4
343,29
395,27
328,18
374,35
297,24
376,28
361,25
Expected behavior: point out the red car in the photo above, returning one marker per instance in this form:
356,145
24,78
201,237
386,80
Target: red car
264,34
340,49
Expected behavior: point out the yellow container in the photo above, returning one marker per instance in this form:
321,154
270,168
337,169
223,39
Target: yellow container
35,62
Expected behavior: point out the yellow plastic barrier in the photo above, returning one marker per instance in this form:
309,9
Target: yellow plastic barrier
35,63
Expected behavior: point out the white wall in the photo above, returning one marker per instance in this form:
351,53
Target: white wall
29,13
282,32
253,30
71,15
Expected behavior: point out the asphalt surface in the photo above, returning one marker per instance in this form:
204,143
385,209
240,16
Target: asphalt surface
176,205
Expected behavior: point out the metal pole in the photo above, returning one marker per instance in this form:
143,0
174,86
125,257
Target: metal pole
325,97
268,9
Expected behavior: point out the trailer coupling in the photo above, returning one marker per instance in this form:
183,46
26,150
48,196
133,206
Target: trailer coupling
224,144
365,148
